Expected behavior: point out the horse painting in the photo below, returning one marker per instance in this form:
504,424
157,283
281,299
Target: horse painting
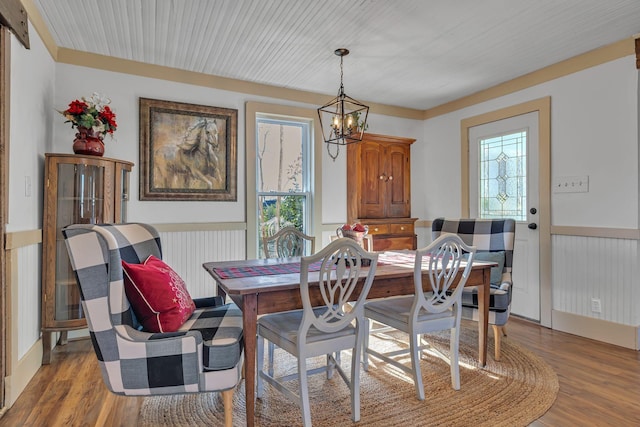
193,163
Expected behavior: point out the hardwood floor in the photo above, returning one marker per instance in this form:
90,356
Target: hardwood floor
599,385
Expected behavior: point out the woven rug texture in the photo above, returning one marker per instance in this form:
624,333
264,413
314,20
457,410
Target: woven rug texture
515,391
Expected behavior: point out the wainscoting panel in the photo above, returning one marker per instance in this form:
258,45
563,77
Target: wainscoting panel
186,251
28,315
602,268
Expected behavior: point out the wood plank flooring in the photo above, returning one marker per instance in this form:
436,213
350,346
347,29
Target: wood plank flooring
599,385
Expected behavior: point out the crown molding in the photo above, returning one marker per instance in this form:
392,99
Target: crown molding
572,65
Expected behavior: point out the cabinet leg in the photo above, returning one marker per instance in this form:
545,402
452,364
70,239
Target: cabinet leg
46,347
63,340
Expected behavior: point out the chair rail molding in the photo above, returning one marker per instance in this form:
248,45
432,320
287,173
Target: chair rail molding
612,233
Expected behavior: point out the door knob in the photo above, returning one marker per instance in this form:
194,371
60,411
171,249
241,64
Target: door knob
533,225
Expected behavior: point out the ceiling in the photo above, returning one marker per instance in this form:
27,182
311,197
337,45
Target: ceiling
410,53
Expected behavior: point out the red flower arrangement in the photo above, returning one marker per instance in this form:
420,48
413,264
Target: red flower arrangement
92,113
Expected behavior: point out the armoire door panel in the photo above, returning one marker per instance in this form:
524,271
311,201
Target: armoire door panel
399,185
372,197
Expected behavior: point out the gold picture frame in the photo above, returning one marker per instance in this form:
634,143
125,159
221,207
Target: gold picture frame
187,151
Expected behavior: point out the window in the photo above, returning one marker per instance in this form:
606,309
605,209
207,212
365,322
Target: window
503,176
283,181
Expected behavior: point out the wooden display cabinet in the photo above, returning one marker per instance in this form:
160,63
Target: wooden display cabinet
77,190
379,190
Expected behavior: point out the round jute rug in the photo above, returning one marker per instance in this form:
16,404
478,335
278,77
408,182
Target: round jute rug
513,392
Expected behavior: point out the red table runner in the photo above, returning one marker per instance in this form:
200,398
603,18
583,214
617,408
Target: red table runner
294,267
262,270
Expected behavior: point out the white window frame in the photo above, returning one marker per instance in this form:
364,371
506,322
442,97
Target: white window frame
307,129
252,111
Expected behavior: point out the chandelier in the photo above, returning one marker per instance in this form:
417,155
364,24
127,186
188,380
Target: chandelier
343,120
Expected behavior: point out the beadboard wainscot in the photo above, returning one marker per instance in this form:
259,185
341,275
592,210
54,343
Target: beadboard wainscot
24,348
600,263
185,247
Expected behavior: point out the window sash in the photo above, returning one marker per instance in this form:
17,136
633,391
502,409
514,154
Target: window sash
305,174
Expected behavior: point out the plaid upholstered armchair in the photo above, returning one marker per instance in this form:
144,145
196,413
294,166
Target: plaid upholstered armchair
203,354
494,240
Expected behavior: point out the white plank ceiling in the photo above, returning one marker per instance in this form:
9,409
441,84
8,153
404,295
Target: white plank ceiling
409,53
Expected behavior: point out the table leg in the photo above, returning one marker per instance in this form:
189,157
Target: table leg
220,292
483,317
249,322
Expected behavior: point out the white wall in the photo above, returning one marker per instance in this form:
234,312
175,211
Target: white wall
32,113
594,132
32,74
31,89
435,169
73,82
124,90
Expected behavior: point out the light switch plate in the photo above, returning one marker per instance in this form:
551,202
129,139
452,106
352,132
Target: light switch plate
571,184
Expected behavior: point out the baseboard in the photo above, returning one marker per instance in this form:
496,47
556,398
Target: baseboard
22,373
78,334
597,329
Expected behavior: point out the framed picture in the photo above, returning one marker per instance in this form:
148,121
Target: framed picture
187,151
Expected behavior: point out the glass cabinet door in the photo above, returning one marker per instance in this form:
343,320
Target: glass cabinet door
80,201
124,199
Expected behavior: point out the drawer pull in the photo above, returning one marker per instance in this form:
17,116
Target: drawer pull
376,229
402,228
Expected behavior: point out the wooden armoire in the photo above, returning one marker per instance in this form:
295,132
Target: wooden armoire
379,190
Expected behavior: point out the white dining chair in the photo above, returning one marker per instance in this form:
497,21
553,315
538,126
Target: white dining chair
435,309
288,242
324,329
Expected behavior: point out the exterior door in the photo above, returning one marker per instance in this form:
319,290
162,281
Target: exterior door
503,174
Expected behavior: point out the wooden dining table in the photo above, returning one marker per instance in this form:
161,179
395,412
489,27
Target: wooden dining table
261,286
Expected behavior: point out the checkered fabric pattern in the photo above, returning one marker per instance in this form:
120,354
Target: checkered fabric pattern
204,355
487,235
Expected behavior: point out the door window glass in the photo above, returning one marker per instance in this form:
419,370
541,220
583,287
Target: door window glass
503,176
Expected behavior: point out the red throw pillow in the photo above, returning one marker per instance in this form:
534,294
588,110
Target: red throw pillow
159,296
